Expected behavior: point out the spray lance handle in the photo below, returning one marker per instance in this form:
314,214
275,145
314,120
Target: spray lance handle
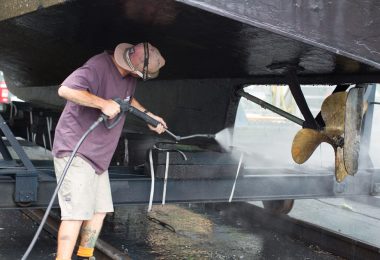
144,116
150,120
125,107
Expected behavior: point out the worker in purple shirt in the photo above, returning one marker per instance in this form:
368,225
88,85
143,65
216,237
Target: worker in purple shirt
85,195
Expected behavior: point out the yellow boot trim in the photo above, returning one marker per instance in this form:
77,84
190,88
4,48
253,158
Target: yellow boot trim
85,251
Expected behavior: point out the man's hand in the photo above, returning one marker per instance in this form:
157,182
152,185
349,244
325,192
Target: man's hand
110,108
161,127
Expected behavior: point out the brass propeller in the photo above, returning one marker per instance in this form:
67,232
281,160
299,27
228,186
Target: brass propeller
307,140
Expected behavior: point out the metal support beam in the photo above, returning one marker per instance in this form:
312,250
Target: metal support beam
297,93
4,151
365,142
253,184
26,182
270,107
323,79
16,146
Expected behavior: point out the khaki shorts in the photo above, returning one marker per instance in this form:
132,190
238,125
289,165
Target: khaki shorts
83,192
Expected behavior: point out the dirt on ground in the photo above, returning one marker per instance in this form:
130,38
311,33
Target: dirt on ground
193,232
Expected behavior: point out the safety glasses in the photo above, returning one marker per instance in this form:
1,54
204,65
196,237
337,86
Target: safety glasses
144,74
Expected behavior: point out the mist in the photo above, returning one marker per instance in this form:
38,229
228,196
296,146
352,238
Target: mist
266,138
266,141
374,145
269,146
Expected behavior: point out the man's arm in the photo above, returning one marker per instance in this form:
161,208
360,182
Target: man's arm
85,98
161,127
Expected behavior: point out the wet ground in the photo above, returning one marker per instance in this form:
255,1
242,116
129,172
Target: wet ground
197,232
17,231
168,232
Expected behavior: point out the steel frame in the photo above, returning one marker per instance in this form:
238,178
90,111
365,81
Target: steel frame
254,184
295,88
25,177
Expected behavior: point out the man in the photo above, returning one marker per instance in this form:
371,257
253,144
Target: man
85,195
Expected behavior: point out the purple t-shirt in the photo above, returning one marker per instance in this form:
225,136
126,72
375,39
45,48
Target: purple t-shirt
100,77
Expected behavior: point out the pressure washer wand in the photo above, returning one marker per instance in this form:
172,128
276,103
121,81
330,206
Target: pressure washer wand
150,120
153,122
176,137
125,107
208,136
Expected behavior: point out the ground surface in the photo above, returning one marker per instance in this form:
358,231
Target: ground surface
199,234
17,231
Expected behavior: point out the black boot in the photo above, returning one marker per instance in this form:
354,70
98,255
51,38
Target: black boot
84,258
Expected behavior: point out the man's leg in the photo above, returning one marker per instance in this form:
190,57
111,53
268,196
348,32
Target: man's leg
91,228
89,234
77,202
67,238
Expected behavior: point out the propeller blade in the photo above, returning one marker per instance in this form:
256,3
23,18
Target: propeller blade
332,111
355,108
340,169
304,144
338,121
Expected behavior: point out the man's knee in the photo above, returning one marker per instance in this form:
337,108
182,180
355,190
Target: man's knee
97,219
100,215
70,227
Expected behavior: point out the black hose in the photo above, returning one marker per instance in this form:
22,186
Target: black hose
92,127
